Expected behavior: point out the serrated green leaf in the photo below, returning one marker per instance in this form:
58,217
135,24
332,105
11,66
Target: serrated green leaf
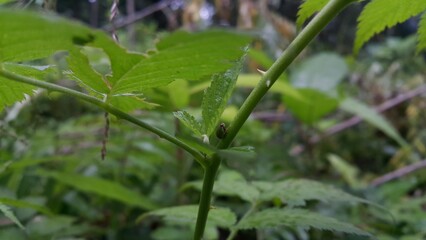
10,215
422,34
381,14
83,73
216,97
307,9
10,91
371,116
218,216
101,187
271,218
27,36
190,122
191,57
295,192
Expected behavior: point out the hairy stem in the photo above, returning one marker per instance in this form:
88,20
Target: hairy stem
280,65
107,107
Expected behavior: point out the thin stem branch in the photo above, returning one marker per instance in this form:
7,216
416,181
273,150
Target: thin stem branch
107,107
251,210
299,43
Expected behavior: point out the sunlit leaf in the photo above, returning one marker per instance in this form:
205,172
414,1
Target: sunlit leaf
297,218
190,57
422,34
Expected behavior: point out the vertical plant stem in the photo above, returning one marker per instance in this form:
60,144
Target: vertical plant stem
289,55
268,79
206,195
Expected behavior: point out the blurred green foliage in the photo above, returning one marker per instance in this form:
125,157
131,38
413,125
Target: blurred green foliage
53,179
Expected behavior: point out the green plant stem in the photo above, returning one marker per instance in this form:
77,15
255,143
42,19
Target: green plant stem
251,210
318,23
206,195
107,107
268,79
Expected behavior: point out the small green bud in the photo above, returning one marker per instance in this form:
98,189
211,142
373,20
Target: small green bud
221,131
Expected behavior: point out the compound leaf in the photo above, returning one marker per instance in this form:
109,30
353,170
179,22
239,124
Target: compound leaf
271,218
381,14
295,192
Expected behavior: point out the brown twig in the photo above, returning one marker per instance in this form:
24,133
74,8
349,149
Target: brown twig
403,97
123,22
398,173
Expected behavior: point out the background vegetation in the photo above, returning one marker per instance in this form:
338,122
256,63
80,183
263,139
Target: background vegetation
53,178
